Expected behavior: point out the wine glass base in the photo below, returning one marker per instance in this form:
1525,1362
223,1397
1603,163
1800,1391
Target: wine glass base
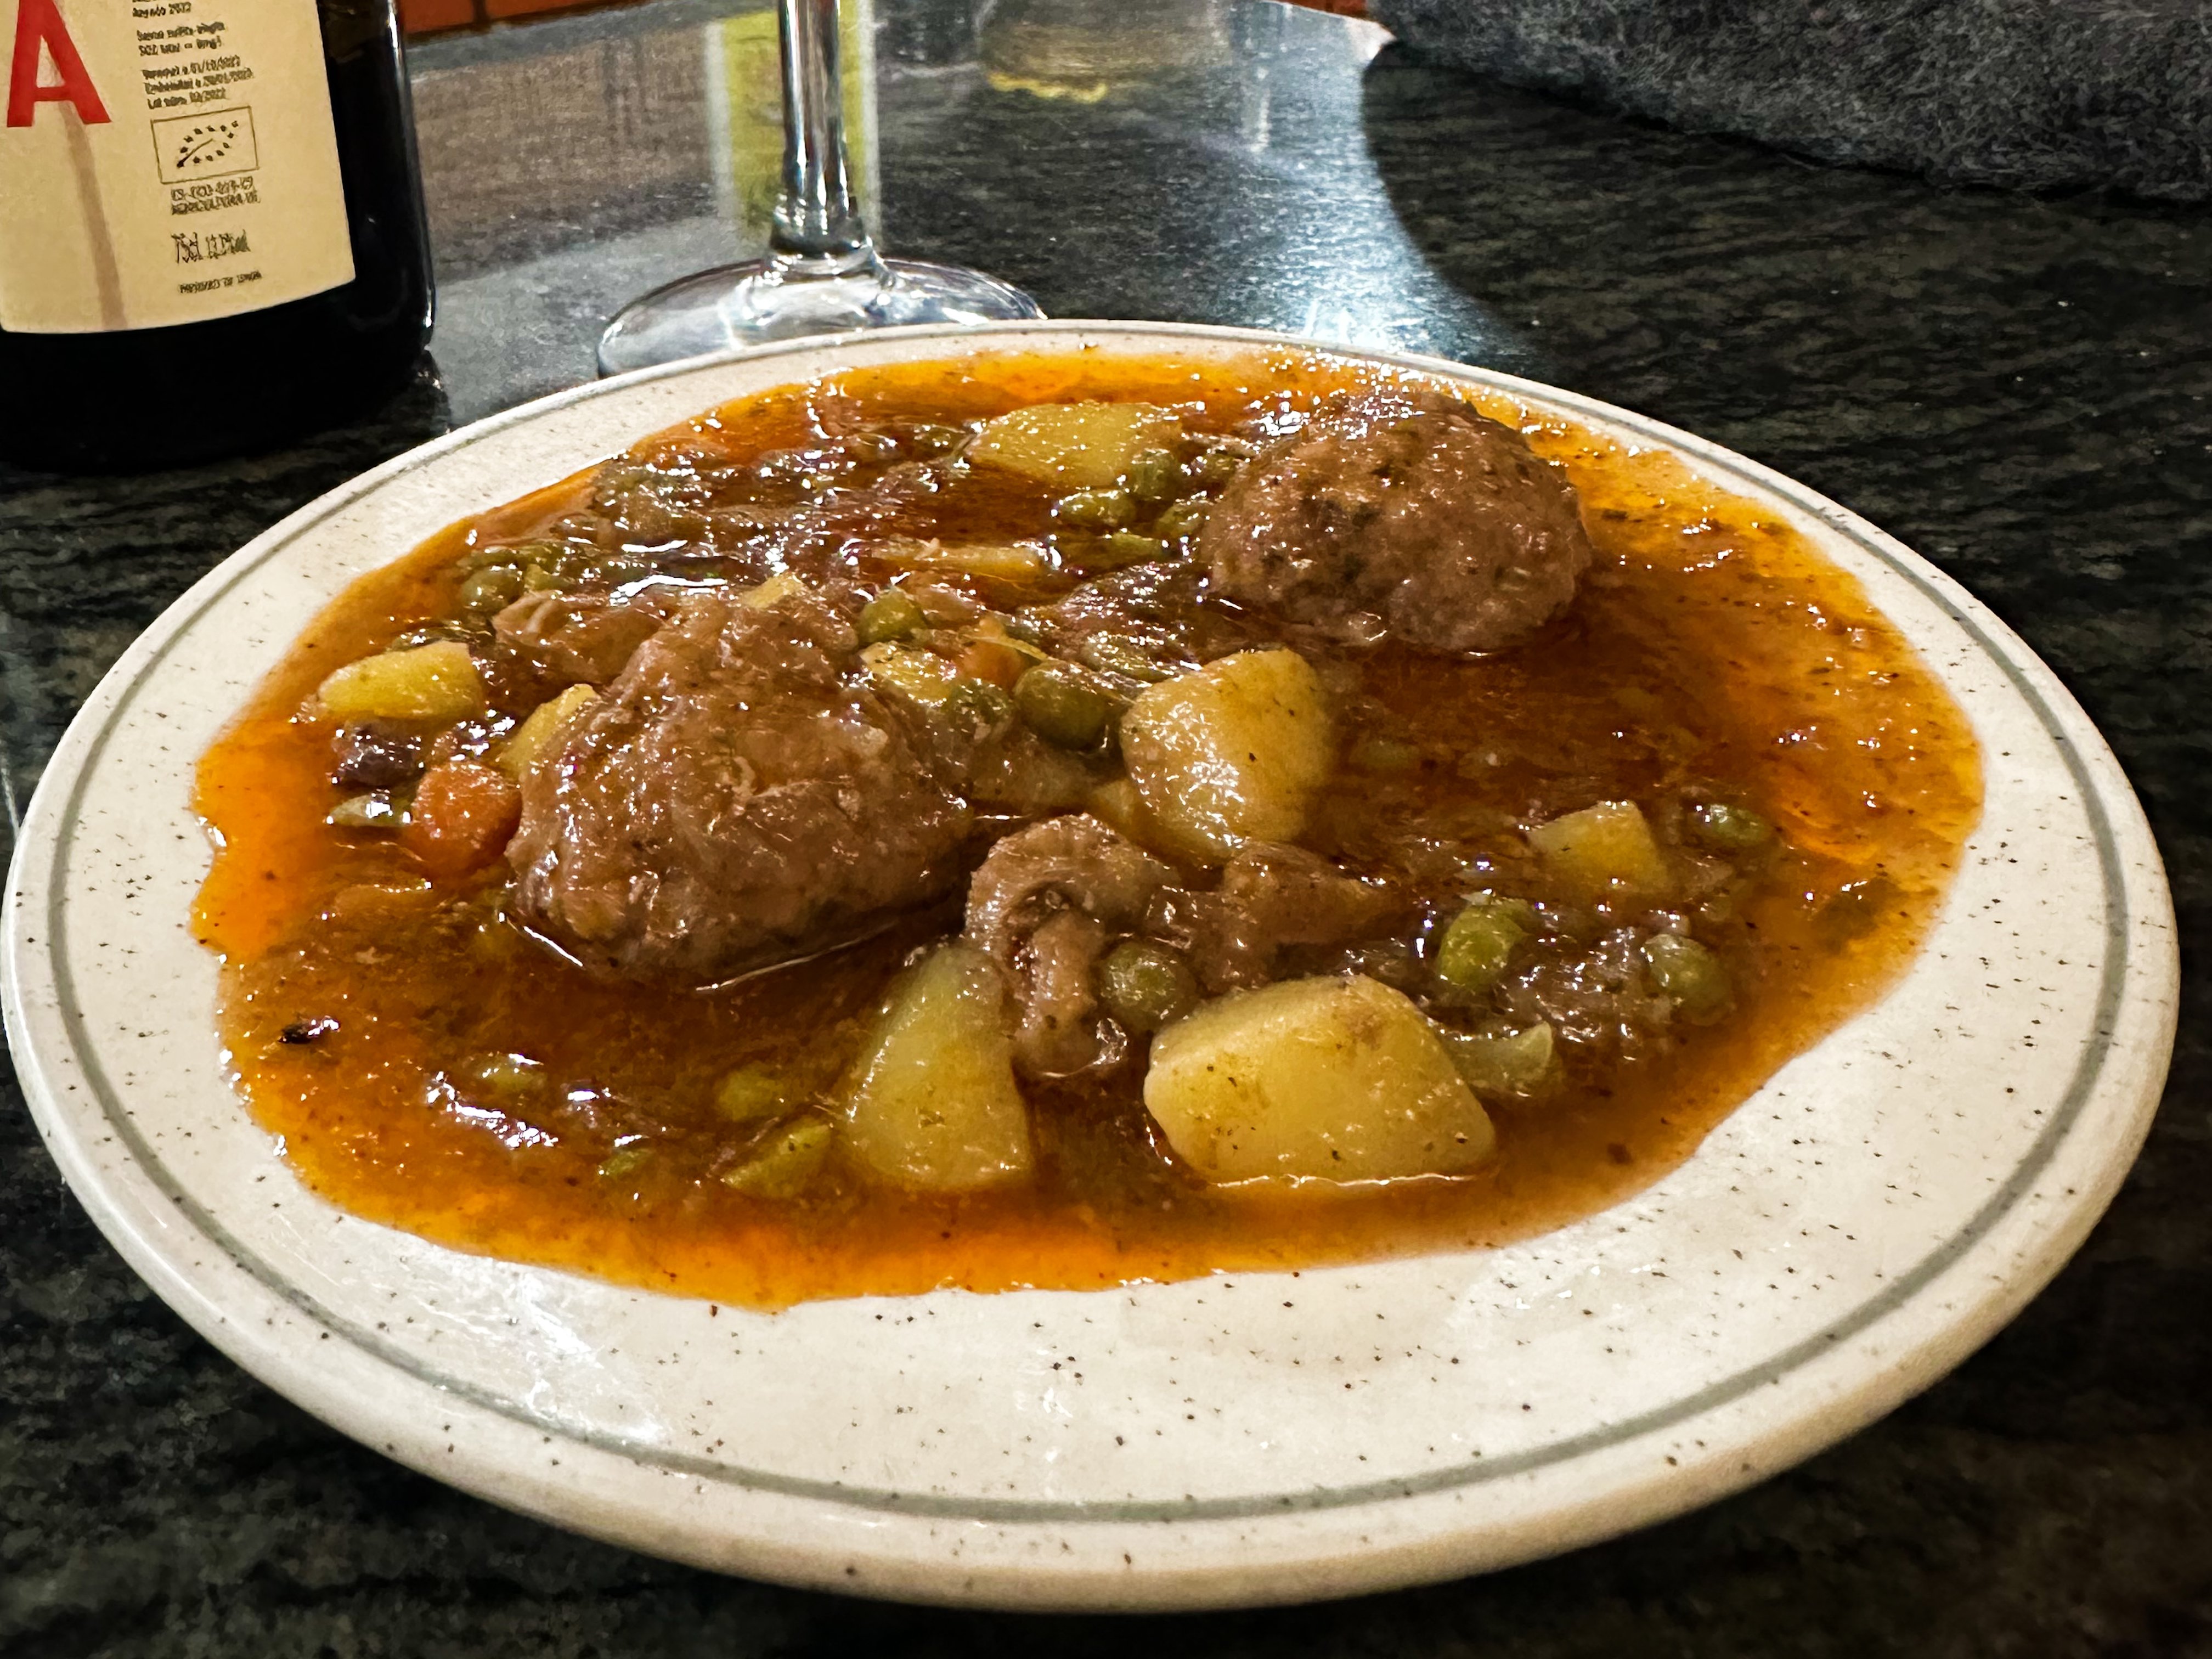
752,303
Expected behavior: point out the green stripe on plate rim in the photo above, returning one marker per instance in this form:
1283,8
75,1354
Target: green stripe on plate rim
1896,1293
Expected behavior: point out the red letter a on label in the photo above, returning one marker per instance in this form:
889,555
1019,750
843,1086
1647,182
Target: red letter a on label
39,23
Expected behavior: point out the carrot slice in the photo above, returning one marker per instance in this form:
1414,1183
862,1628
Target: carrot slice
464,814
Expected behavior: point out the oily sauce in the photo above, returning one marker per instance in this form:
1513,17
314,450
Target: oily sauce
1710,643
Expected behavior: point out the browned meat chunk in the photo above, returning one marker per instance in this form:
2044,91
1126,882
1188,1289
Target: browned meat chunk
732,800
1045,905
1271,897
1597,997
572,638
1425,521
378,754
1144,623
1015,774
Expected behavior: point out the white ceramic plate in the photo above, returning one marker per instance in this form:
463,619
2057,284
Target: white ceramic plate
1881,1208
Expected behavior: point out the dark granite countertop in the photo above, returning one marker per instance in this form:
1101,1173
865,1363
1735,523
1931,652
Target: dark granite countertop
2019,388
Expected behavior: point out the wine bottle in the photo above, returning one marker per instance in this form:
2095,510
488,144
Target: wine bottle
212,228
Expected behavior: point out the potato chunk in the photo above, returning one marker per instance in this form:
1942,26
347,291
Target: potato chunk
1335,1079
430,683
1077,446
773,592
1605,852
1005,561
786,1164
537,733
1231,752
922,676
932,1103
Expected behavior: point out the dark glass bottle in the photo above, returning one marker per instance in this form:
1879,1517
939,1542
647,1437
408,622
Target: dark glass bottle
109,398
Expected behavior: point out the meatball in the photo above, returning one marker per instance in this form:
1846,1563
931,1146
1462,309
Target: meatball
734,800
1421,521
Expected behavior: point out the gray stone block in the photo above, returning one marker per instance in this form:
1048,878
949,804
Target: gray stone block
2024,95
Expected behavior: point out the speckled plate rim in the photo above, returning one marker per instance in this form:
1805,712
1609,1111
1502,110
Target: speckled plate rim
1274,1546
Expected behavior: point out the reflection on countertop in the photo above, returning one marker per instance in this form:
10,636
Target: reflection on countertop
571,165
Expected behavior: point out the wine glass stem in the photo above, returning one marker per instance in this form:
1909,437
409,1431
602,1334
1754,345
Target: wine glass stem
818,230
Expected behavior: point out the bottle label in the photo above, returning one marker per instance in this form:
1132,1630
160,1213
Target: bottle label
164,162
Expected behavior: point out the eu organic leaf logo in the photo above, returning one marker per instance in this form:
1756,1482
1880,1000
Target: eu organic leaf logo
208,141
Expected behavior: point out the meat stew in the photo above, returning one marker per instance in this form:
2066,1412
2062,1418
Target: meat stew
1061,822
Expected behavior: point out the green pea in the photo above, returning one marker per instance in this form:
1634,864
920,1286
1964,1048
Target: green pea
1144,985
786,1164
618,478
753,1092
1181,522
978,706
1153,476
1511,1066
492,589
625,568
1096,509
506,1076
626,1161
1060,708
569,565
1691,975
1479,945
1855,910
1729,829
1216,467
496,940
890,616
516,555
927,437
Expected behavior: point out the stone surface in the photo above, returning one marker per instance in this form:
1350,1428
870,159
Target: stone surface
2021,389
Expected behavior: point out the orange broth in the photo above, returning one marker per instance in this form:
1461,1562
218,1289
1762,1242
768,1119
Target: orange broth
1712,640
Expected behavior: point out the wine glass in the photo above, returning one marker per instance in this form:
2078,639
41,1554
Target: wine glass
823,274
